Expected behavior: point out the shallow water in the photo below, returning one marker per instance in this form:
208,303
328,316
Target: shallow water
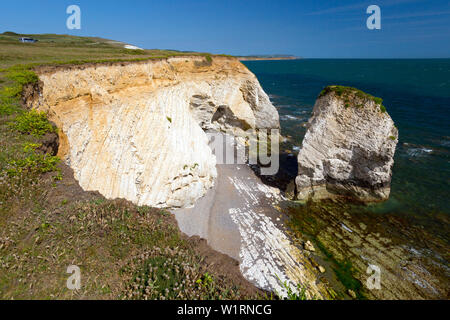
416,94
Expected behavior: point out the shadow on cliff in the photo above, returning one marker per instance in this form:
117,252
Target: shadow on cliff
286,173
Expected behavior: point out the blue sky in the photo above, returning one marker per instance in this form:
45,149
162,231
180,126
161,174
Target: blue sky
310,28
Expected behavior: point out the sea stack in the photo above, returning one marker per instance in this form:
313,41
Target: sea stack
348,150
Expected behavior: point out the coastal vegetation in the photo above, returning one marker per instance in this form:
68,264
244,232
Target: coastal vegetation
65,49
171,274
33,122
350,94
34,162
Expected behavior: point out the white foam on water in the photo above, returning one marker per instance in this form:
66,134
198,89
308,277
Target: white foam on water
288,117
418,152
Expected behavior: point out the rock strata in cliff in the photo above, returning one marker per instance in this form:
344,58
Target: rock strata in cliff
348,148
135,130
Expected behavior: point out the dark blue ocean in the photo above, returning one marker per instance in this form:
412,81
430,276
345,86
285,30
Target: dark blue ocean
416,94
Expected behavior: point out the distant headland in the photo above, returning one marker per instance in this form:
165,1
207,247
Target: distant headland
268,57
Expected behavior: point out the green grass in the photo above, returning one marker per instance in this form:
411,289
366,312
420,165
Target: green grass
378,100
351,94
21,75
15,78
59,49
208,58
8,102
18,155
7,107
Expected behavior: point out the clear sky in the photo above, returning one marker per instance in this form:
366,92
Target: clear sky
309,28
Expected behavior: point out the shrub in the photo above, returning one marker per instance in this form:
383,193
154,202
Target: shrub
172,274
21,75
34,162
34,123
339,91
377,100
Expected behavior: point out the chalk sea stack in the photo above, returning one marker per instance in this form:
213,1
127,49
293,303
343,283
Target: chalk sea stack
348,149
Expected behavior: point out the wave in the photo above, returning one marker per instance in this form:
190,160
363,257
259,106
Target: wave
446,142
288,117
285,106
418,151
302,112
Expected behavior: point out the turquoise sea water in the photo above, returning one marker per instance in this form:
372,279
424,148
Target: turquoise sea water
416,94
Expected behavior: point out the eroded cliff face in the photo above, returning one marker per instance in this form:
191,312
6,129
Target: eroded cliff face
136,130
348,149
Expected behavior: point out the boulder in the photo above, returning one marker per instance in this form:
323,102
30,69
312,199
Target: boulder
309,246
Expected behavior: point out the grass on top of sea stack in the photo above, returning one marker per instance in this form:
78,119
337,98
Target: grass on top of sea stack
352,95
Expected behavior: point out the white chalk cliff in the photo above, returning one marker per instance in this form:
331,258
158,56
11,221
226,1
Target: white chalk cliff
348,149
135,130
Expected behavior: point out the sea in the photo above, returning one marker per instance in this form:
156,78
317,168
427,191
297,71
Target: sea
416,94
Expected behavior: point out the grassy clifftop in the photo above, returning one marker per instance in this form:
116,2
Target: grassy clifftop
52,48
